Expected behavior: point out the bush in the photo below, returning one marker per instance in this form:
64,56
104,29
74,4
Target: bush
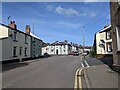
92,54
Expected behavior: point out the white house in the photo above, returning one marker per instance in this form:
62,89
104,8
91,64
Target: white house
104,42
57,48
15,44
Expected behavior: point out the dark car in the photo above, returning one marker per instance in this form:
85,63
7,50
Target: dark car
71,53
46,55
76,54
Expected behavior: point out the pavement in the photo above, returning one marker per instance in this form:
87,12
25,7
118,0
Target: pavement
100,75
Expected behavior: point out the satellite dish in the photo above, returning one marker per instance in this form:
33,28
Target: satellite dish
102,43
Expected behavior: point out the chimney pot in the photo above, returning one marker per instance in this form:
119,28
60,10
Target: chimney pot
28,29
13,25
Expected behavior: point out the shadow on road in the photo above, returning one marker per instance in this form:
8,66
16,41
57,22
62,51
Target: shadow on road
7,67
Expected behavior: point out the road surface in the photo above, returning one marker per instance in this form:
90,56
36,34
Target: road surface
52,72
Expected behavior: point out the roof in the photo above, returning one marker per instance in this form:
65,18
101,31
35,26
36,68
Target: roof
108,28
59,43
31,35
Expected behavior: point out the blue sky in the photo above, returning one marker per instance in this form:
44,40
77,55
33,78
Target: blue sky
59,21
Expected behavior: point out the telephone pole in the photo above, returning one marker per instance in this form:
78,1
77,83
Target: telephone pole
83,39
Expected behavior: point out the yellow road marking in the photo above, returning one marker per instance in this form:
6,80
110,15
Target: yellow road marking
80,79
75,83
78,72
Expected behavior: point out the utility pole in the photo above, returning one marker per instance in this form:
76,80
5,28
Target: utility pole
83,38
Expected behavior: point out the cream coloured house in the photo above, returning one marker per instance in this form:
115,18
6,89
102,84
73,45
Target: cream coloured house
104,42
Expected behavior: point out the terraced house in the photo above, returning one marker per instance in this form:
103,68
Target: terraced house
57,48
17,45
104,47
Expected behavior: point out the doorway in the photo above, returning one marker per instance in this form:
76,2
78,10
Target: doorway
57,51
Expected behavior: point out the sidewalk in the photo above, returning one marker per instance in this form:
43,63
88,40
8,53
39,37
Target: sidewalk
101,76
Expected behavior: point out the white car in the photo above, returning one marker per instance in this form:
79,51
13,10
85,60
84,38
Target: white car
84,53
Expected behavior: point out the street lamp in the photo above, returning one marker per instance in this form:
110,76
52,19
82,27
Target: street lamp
83,38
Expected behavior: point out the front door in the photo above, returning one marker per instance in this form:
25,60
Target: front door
57,51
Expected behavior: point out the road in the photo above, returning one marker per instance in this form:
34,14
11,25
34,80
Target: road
52,72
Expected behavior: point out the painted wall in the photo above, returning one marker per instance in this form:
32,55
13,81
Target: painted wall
9,43
36,47
56,50
3,31
101,50
1,50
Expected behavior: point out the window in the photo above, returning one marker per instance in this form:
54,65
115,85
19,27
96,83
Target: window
25,51
108,35
14,51
15,36
109,47
21,51
119,2
118,37
25,39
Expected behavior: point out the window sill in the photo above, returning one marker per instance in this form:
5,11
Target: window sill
14,56
118,52
15,40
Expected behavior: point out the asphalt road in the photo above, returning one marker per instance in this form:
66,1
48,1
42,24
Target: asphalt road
53,72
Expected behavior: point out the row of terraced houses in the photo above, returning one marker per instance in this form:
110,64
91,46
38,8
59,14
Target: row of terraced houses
18,45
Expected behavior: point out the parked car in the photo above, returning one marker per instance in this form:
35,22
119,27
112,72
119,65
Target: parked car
84,53
71,53
46,55
76,53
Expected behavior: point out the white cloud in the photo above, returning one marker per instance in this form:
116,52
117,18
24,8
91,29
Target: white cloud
93,14
70,11
69,24
91,0
66,11
50,8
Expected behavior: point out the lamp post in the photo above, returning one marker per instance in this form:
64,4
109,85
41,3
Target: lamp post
83,38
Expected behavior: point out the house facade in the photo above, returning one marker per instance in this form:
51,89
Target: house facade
18,45
115,23
103,41
36,50
57,48
15,44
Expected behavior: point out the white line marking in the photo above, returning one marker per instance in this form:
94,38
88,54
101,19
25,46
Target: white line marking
82,64
87,63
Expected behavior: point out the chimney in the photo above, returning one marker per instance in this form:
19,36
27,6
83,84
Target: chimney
13,25
105,26
28,29
66,41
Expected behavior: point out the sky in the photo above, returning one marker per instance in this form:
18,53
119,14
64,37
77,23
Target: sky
59,21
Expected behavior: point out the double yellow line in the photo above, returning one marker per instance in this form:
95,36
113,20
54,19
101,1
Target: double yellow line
78,79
